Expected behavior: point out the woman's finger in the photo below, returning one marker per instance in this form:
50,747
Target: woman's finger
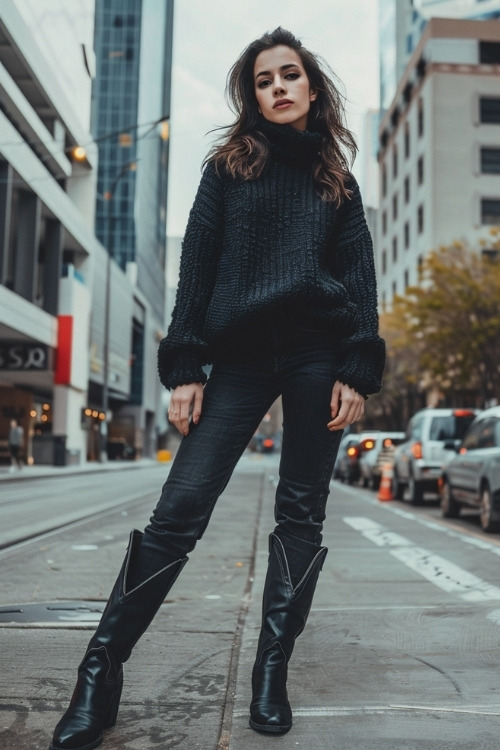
350,409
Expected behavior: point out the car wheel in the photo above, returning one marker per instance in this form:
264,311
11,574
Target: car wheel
416,491
374,482
449,506
397,487
486,516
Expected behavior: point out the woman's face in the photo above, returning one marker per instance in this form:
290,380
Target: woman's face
282,88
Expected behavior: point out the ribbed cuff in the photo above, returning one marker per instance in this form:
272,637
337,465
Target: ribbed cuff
185,368
362,370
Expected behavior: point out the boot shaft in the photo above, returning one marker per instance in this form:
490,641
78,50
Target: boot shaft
286,607
129,611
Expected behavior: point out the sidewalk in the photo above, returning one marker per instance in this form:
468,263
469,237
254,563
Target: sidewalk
176,682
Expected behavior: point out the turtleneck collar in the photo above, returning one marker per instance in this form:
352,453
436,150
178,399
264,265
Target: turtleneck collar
289,144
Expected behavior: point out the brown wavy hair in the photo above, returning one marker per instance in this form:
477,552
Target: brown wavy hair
244,151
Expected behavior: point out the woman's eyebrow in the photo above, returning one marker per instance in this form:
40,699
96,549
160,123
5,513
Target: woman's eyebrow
283,67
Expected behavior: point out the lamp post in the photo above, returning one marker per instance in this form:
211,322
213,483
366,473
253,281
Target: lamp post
110,243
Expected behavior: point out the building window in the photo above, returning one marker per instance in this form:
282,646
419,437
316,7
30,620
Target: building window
490,160
384,262
395,161
490,211
420,118
489,53
384,180
395,206
394,289
489,109
394,249
384,222
407,141
407,279
407,235
420,170
420,219
407,190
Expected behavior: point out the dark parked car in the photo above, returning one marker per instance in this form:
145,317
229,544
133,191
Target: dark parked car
347,465
428,445
472,477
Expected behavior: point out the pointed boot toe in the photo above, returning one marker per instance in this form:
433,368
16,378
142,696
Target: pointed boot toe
94,705
270,719
270,710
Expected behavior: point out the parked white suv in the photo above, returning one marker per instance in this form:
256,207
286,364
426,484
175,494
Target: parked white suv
419,460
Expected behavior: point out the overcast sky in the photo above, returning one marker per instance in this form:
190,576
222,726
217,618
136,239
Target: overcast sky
208,37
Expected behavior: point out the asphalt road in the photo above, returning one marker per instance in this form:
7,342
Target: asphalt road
401,649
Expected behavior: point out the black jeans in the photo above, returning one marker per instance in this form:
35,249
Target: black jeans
301,366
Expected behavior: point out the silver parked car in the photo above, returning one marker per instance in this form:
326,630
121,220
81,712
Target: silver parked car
472,477
376,449
429,443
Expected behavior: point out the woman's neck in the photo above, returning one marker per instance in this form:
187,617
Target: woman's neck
289,144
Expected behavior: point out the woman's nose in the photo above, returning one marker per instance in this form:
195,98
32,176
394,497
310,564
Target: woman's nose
278,87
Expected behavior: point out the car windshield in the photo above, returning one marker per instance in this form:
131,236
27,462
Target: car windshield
450,427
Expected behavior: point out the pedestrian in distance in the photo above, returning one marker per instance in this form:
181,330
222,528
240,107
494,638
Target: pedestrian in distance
15,442
276,291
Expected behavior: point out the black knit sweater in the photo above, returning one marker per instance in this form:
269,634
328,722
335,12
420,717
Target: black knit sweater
269,245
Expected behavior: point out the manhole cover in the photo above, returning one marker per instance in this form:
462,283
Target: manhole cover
52,613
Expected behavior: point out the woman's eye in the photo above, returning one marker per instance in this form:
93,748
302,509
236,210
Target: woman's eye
292,76
263,84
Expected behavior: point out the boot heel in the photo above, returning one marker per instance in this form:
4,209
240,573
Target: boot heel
110,719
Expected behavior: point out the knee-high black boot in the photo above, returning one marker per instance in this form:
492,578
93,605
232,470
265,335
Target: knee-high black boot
128,613
285,611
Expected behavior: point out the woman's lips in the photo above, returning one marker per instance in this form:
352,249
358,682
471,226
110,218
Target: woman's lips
282,104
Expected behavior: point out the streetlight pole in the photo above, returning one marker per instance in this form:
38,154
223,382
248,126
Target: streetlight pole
110,243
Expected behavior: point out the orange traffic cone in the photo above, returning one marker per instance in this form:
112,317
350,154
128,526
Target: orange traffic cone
385,489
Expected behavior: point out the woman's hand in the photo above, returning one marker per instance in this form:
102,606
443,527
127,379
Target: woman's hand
185,403
347,406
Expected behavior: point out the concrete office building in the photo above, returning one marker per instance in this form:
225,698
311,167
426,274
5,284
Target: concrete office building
401,24
478,9
130,119
439,151
47,243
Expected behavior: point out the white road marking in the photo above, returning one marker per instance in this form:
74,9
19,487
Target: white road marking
468,538
376,533
447,575
464,537
437,570
361,710
329,711
494,616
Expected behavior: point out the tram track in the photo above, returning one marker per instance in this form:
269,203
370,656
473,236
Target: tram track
16,544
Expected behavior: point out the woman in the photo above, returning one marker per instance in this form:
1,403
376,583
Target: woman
277,290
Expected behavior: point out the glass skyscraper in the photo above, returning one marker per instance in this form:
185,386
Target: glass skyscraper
130,113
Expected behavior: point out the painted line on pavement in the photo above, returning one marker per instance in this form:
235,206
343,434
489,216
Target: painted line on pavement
494,616
380,608
359,711
469,537
436,569
330,711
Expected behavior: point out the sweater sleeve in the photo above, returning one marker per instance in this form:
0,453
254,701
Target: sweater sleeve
183,351
353,265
